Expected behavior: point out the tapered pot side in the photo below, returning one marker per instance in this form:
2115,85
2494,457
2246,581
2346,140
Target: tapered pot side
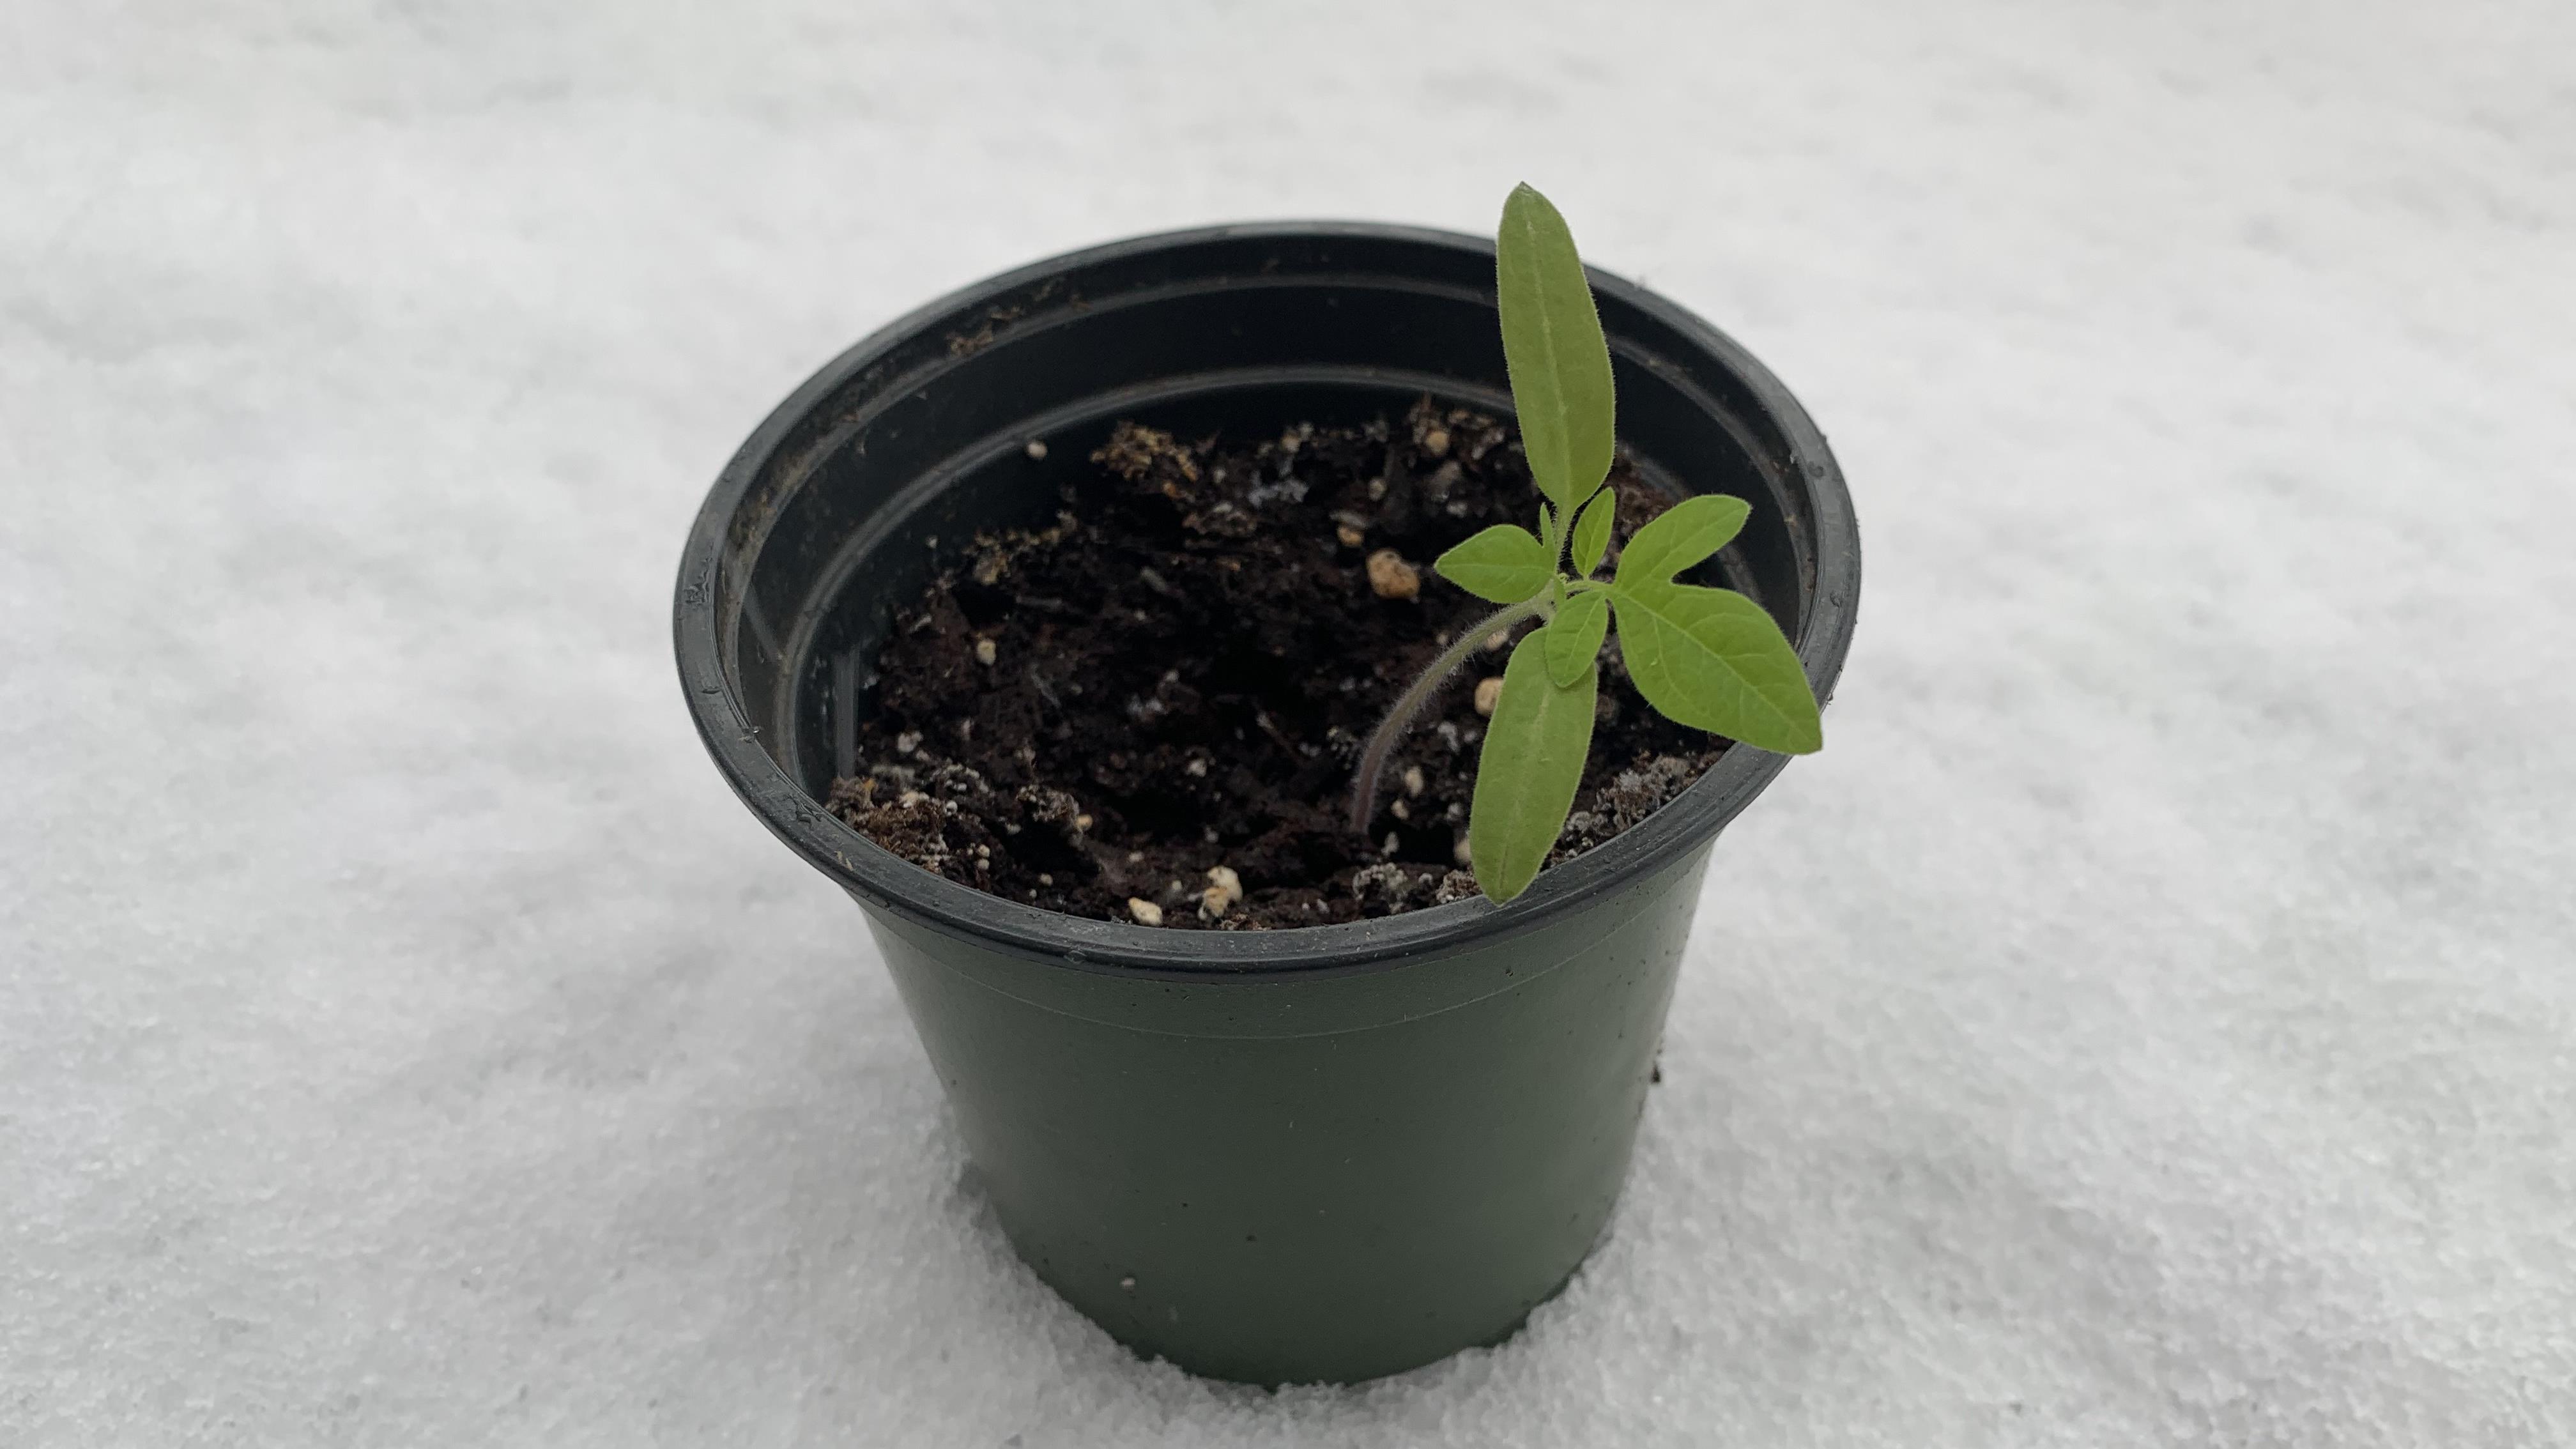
1275,1156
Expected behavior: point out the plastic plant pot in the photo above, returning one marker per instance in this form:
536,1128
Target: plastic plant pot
1322,1154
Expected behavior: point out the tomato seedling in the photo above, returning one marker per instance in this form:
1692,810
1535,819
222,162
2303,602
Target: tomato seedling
1707,658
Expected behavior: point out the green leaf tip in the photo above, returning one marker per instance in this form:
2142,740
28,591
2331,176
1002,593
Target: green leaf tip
1592,531
1503,564
1683,535
1529,768
1553,349
1712,659
1575,638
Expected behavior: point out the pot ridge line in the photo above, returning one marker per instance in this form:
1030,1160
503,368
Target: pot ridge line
1209,984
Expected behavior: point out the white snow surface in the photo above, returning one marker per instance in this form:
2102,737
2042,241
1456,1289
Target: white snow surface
2152,1020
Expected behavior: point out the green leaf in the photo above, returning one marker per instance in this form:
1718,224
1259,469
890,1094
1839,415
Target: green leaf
1528,771
1503,563
1553,348
1592,532
1574,639
1682,535
1712,659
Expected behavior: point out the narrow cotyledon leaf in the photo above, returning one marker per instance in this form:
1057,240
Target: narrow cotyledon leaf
1529,769
1553,349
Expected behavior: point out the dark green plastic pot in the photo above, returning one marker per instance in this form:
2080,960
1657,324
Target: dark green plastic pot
1318,1154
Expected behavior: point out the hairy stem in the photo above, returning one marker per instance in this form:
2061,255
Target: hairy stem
1381,745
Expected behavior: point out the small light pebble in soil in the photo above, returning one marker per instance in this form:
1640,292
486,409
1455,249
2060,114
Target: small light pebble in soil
1391,577
1196,651
1489,692
1224,889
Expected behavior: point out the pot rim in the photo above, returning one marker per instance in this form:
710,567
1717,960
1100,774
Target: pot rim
881,879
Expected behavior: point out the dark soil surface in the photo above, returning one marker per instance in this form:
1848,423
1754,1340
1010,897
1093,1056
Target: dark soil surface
1107,716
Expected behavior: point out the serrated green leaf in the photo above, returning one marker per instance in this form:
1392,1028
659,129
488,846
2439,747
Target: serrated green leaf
1553,348
1529,769
1713,659
1682,535
1592,532
1574,638
1504,564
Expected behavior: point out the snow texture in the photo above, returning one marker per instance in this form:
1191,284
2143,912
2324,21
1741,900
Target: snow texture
2152,1020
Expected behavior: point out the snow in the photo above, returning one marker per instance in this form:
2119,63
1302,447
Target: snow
2150,1021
